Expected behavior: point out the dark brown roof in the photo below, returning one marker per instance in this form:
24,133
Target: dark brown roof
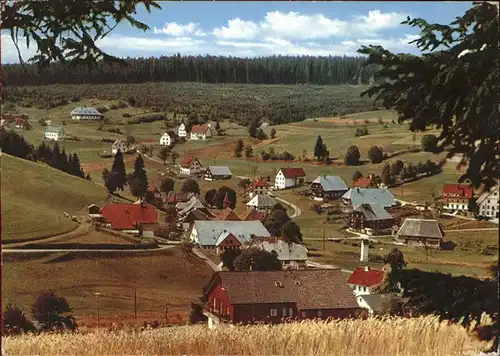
309,289
227,214
252,215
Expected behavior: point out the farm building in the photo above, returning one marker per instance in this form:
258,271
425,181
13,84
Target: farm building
364,280
174,198
262,203
119,145
205,233
54,133
227,241
328,188
457,196
258,186
370,217
271,296
85,113
181,130
127,217
358,196
289,177
168,138
217,172
366,182
488,203
290,254
190,165
20,123
421,232
200,132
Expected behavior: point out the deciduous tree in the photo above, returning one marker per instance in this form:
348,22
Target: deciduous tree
254,259
189,185
352,156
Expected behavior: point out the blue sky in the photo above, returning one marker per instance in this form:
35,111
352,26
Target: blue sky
250,29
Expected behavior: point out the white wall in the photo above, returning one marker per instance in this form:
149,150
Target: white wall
165,140
456,206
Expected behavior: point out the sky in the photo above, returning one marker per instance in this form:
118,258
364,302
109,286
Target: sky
253,29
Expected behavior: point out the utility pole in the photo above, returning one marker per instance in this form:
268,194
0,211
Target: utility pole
135,303
98,312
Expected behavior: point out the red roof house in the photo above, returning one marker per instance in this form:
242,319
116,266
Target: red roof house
457,196
20,123
129,216
365,182
292,173
363,279
200,129
190,165
289,177
227,214
252,215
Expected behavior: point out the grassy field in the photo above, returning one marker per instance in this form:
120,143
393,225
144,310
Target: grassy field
161,277
418,336
35,196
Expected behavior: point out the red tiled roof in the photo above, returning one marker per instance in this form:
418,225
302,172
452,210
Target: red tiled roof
259,183
200,128
178,197
187,160
293,172
252,215
370,278
227,214
127,216
19,121
459,190
363,182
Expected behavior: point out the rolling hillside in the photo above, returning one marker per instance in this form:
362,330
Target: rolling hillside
35,197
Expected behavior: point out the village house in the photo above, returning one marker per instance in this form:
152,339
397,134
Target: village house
289,177
258,186
187,221
290,254
488,203
366,182
206,233
94,213
54,133
190,166
200,132
85,113
370,218
119,145
252,215
227,214
128,217
227,241
168,138
262,203
358,196
155,196
181,130
275,296
364,281
174,198
457,196
421,232
328,188
20,123
217,172
193,203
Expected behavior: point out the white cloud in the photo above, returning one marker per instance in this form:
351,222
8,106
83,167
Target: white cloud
376,21
147,44
237,29
9,51
175,29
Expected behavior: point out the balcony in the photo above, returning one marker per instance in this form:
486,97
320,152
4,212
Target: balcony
210,312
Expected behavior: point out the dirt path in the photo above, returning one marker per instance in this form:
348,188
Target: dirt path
82,229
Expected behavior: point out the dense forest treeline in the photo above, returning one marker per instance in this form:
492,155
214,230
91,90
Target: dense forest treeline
202,69
277,104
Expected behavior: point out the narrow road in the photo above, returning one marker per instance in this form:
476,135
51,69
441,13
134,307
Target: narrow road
325,266
81,229
10,251
209,262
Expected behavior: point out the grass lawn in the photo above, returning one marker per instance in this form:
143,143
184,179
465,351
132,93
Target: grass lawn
166,277
35,196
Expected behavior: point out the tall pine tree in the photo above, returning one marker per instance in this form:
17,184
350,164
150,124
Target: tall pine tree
140,176
119,168
319,149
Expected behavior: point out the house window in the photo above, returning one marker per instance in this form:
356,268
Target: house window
303,314
273,312
364,289
290,312
320,313
284,311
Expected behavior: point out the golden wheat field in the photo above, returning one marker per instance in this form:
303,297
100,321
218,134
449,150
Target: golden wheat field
390,336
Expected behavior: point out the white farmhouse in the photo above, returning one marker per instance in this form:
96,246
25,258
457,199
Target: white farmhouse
181,130
364,281
54,133
119,145
291,255
167,139
488,203
289,177
200,132
85,113
191,165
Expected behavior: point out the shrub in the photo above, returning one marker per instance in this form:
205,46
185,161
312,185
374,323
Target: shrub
352,156
126,114
102,109
114,130
429,143
53,311
361,131
14,321
376,154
